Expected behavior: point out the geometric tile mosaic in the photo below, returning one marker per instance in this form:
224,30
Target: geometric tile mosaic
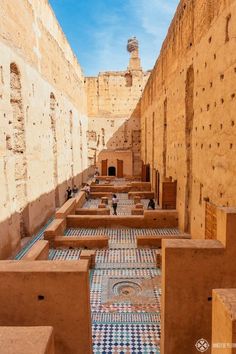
126,338
98,286
64,254
125,288
126,258
121,317
125,232
120,238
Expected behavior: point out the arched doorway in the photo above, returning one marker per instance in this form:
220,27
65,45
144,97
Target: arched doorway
112,171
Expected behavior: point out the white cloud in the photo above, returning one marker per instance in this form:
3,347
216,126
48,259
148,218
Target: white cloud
147,19
154,17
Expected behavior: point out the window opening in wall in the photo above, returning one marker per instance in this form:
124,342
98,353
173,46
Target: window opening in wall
129,79
1,75
52,114
228,18
111,171
165,138
19,147
189,114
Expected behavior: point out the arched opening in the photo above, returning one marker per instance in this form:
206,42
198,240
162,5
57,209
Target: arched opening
128,79
111,171
19,147
52,114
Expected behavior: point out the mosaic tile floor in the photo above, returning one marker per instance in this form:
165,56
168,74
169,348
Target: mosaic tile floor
118,181
64,254
126,338
126,322
125,258
125,287
124,206
121,238
117,233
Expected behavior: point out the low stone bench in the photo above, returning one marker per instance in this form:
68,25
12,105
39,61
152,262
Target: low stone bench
142,195
67,209
138,210
104,200
89,255
93,242
139,206
106,178
97,188
140,186
161,218
155,241
26,340
80,199
137,199
101,206
158,258
150,219
93,211
97,195
56,228
39,251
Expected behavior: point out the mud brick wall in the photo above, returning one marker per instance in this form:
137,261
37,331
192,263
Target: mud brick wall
188,109
43,111
114,118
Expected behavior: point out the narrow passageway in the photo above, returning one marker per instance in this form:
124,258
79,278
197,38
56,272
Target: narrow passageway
125,288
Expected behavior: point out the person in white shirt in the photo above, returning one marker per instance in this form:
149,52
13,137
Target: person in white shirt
87,190
114,204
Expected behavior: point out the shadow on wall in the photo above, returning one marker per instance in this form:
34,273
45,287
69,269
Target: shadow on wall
34,215
123,146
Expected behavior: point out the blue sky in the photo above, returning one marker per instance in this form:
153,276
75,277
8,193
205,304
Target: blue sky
98,30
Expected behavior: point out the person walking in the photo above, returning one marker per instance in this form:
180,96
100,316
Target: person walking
114,204
69,193
87,191
75,190
151,204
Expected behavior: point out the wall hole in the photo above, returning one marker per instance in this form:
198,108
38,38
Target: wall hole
40,297
228,18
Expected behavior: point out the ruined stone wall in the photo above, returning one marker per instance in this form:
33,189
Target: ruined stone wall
189,104
43,121
112,97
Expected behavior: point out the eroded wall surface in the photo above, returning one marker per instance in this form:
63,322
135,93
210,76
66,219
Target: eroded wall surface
112,98
188,109
43,110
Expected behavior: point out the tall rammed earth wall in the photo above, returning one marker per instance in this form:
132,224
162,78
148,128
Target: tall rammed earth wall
188,109
43,121
112,97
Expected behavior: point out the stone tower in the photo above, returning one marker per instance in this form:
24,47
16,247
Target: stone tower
133,49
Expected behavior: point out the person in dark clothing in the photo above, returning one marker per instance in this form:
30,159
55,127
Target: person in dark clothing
75,189
114,204
69,193
151,204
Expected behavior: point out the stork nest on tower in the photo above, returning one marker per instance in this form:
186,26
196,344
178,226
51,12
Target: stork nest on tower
132,44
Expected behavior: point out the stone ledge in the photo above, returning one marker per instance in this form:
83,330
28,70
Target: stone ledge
26,340
39,251
93,242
